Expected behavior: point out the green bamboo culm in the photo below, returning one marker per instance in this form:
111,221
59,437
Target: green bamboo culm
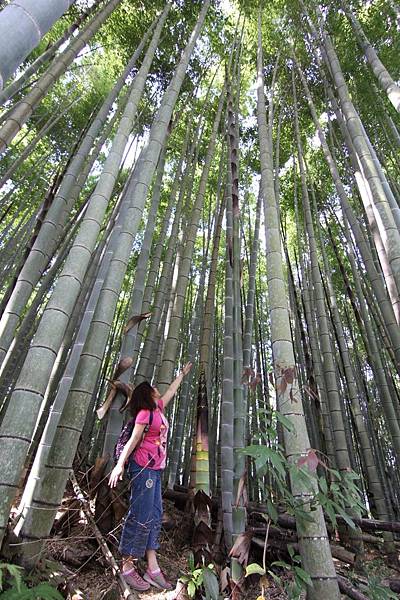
313,539
32,20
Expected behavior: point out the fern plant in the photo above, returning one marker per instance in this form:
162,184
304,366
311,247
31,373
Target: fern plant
18,590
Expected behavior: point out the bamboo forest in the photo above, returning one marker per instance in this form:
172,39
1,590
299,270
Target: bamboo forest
200,209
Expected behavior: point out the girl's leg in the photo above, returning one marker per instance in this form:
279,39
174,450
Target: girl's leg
128,563
132,575
153,541
139,520
151,555
152,562
153,574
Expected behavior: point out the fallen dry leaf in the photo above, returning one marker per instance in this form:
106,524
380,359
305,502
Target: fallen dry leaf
241,548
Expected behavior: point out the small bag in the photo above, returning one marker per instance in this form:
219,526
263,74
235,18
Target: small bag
125,435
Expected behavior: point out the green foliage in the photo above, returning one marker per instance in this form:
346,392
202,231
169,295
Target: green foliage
336,492
17,589
376,591
293,587
14,571
199,579
253,569
377,570
342,495
42,591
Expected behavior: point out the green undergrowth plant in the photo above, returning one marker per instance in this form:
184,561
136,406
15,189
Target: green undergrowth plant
336,492
377,591
201,582
13,586
377,570
294,587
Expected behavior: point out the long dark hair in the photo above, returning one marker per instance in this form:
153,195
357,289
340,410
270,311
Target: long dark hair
142,399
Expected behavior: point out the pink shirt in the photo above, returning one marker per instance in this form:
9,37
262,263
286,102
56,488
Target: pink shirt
152,451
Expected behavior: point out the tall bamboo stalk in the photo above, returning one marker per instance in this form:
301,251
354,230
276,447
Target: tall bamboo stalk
40,359
374,276
227,405
313,540
73,416
32,20
8,92
58,215
383,76
115,418
25,107
171,344
387,227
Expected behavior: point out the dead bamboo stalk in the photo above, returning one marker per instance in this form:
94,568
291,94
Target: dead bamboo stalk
350,591
288,522
338,552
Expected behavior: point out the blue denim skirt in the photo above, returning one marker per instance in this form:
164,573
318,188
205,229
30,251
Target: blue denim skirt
141,530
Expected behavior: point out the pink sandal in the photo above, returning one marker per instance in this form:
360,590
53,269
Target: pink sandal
157,579
135,581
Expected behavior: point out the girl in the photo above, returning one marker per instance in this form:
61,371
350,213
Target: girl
145,455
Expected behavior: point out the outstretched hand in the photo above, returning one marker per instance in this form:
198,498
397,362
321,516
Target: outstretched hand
171,391
116,475
186,368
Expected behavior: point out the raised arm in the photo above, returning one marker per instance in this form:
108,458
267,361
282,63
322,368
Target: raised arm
171,391
118,470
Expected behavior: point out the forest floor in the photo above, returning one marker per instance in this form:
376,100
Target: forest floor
89,576
93,578
96,582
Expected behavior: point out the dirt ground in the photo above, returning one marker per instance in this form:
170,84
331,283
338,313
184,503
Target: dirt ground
89,576
96,581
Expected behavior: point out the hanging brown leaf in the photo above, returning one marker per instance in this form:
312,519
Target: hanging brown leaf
122,366
255,381
224,578
248,374
311,460
241,548
289,374
311,392
116,386
102,411
134,320
282,386
126,390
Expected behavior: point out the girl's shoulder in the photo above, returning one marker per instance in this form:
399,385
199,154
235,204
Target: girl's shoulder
143,416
